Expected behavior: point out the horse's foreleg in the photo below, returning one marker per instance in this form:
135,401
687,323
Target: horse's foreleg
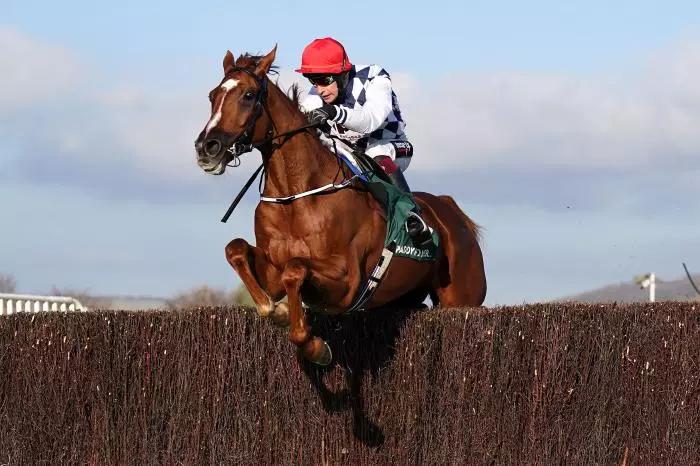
296,272
261,279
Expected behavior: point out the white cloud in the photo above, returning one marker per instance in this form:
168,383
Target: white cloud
532,120
32,71
538,122
156,133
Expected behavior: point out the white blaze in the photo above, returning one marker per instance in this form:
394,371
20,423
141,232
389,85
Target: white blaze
229,84
226,86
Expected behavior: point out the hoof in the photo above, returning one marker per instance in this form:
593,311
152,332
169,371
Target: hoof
280,316
318,352
326,357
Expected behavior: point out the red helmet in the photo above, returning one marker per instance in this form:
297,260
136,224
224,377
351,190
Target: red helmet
324,56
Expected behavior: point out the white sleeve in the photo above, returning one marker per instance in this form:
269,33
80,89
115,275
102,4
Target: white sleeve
311,101
373,113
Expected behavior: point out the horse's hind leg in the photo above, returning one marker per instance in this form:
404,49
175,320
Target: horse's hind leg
261,278
460,279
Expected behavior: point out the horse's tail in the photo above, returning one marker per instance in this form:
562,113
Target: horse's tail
471,224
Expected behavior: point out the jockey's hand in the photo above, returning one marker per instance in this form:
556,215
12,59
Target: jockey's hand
321,115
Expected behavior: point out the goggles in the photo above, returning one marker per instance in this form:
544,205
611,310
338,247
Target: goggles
321,79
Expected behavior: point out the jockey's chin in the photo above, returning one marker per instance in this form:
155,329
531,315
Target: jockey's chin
329,93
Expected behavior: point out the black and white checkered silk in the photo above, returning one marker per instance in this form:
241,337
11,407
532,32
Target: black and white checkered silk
356,108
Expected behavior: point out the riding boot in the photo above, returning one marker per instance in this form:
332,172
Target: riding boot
416,227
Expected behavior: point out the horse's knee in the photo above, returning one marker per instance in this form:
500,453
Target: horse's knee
237,252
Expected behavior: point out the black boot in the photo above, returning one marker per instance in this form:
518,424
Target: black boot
417,229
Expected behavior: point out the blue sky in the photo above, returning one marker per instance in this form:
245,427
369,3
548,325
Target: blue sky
567,129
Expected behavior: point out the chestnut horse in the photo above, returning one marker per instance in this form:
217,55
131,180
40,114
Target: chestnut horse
321,249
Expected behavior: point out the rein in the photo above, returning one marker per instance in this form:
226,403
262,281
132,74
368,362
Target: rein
286,199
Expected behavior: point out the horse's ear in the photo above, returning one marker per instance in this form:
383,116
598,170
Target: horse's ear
265,63
229,61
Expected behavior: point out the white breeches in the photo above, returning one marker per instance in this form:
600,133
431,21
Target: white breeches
373,150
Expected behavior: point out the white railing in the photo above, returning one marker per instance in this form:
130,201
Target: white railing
13,303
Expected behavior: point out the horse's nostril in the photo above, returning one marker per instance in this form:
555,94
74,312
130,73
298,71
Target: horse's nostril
212,147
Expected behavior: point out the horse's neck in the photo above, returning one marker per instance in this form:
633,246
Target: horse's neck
301,163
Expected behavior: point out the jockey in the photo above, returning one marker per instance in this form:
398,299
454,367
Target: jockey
357,104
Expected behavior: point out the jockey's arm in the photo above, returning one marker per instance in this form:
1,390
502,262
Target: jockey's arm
373,113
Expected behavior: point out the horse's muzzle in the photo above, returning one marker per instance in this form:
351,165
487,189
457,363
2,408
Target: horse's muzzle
211,153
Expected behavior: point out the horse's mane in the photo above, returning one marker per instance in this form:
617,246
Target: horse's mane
294,93
249,62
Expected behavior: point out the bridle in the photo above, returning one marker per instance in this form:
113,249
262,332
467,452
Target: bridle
243,143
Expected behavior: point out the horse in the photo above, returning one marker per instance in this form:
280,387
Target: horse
319,250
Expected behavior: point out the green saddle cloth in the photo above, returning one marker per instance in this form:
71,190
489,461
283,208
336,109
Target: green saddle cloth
397,205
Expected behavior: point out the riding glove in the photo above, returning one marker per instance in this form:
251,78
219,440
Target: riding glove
320,115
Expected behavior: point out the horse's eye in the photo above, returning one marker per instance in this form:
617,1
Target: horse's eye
249,95
211,97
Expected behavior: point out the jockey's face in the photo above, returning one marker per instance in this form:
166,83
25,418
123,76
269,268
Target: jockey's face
328,93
